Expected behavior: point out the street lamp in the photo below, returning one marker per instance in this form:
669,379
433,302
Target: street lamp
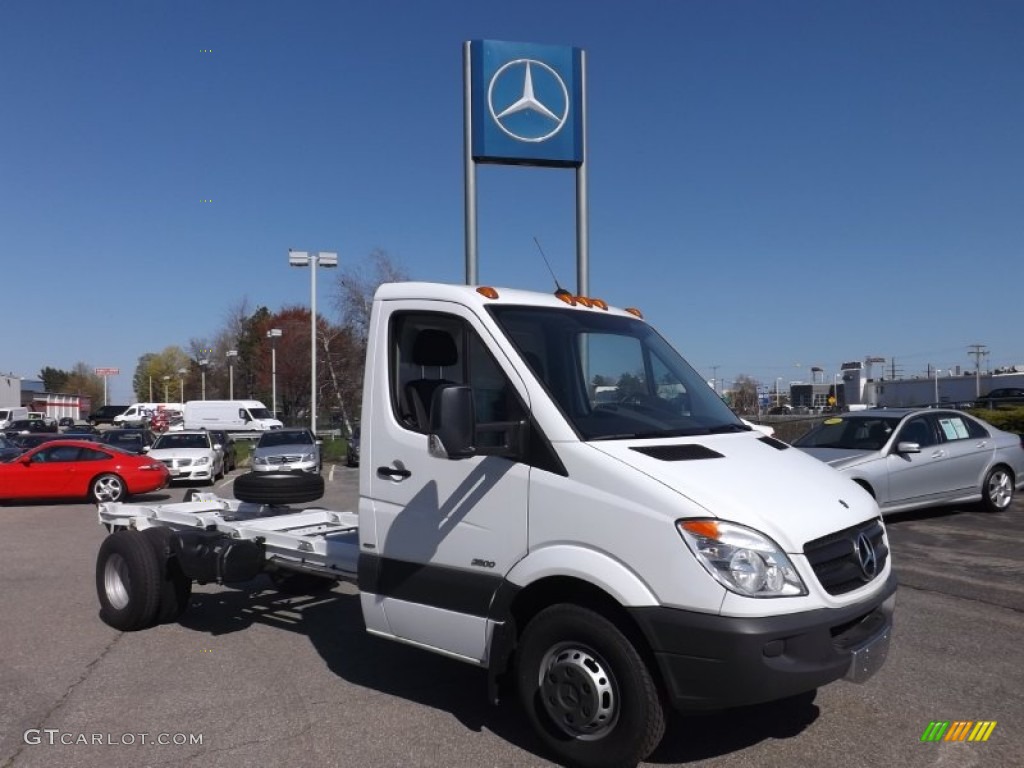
202,367
231,354
181,384
166,379
273,334
312,260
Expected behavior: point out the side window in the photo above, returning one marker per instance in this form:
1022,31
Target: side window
918,430
432,350
961,428
90,454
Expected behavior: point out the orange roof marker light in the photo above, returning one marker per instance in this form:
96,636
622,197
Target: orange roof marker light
584,301
565,296
487,292
635,312
600,304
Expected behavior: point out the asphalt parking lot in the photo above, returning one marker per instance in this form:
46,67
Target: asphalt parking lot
250,677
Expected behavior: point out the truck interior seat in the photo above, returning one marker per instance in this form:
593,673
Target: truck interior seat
433,348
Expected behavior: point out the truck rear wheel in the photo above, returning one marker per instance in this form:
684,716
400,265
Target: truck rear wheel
127,581
279,488
175,586
586,690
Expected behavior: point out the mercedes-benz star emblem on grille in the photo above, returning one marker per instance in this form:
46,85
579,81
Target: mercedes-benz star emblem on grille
866,555
540,109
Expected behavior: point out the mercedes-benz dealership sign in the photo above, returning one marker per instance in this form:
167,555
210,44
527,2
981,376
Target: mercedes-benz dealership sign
526,103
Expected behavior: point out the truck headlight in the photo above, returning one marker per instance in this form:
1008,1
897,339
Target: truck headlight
743,560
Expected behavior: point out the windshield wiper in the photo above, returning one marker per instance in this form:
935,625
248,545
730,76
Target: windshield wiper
723,428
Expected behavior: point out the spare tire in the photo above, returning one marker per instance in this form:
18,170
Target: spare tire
279,487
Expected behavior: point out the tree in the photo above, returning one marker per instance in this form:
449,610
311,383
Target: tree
355,286
148,380
53,379
345,346
744,395
83,381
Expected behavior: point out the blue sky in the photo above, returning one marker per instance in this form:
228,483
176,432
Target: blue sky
776,184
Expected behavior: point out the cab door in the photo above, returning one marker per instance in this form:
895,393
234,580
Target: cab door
444,532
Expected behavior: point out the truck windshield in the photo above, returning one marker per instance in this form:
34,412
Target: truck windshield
614,377
261,413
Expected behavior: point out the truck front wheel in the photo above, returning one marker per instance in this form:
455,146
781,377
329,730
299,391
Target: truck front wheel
586,690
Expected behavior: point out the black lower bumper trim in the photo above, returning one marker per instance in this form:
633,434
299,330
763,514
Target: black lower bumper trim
715,662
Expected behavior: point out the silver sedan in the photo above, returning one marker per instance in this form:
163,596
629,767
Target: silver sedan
914,458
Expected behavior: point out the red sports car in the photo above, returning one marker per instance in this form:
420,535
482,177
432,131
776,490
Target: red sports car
80,469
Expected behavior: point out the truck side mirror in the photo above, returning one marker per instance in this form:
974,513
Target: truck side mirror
452,423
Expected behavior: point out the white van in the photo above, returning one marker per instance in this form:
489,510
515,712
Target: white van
7,415
139,414
230,415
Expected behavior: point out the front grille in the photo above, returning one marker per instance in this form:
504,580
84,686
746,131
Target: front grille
177,462
292,458
836,562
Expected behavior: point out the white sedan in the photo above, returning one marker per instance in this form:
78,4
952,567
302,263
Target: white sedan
189,456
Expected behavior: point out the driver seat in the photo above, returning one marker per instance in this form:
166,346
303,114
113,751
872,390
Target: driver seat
432,348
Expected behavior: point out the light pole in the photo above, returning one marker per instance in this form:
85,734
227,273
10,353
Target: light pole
181,384
202,367
166,379
778,394
312,260
273,334
231,354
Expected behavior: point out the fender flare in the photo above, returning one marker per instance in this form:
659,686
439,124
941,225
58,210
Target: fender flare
588,565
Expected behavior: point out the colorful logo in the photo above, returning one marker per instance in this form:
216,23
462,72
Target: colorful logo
958,730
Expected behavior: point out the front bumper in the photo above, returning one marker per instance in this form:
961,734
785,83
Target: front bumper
296,466
715,662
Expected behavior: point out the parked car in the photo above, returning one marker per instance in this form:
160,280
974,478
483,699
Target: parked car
27,426
352,452
914,458
31,440
189,455
1006,396
9,449
80,469
287,450
81,429
130,440
105,414
227,448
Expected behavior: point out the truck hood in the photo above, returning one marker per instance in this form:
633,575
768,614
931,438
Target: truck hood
753,480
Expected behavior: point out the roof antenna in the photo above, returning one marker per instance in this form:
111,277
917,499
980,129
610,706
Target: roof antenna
559,290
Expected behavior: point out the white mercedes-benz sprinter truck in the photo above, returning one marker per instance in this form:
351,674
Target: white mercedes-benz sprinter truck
614,555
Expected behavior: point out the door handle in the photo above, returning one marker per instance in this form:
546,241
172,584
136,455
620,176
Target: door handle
393,473
938,454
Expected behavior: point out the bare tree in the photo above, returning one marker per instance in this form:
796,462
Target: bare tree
744,395
355,286
345,347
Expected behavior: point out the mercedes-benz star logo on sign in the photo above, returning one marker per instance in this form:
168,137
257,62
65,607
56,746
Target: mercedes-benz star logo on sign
866,555
528,100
